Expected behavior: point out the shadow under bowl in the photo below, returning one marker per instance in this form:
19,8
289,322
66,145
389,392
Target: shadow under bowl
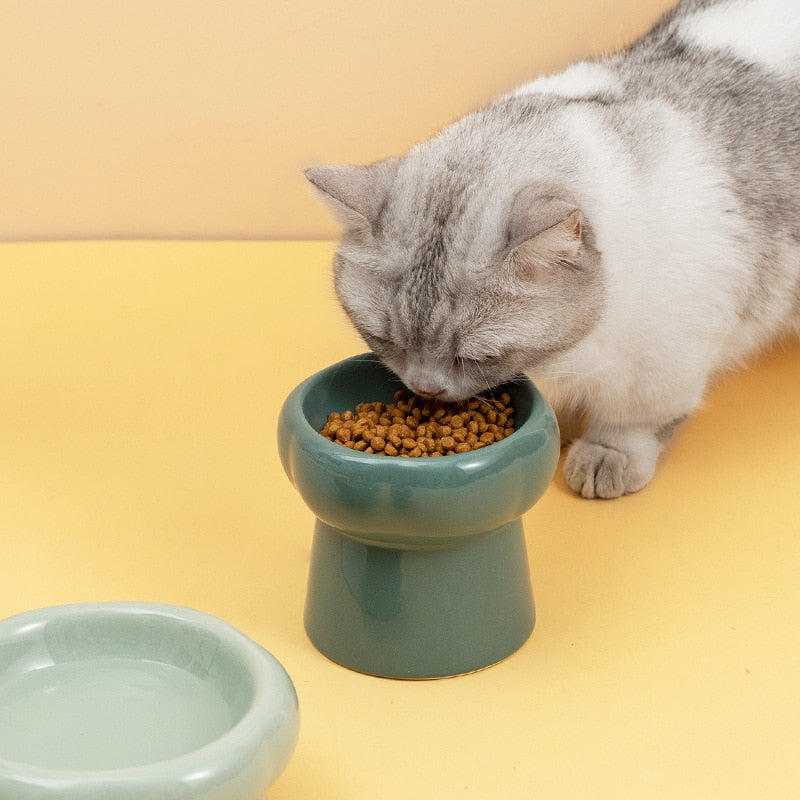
124,701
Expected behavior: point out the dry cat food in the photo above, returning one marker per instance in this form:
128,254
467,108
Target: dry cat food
414,426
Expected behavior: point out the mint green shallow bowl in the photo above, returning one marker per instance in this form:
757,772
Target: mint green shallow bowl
419,566
139,701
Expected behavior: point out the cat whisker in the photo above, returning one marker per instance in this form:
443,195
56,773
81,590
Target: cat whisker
564,374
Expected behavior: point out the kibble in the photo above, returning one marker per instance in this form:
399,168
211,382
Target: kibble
417,427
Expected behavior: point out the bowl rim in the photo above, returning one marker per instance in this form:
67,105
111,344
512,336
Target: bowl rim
294,406
273,692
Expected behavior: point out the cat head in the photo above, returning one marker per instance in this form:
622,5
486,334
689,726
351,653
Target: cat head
457,278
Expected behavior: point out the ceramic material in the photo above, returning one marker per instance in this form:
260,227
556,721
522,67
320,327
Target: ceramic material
132,701
419,567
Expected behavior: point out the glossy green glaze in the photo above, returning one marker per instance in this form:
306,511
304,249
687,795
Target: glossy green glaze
137,700
419,567
419,613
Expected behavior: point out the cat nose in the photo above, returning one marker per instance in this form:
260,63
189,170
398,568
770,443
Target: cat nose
427,391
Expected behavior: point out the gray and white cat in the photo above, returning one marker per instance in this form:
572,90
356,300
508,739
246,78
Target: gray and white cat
622,231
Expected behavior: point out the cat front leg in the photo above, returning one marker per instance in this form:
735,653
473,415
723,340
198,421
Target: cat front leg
609,462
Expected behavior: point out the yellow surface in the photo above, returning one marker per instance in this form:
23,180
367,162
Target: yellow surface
140,390
196,118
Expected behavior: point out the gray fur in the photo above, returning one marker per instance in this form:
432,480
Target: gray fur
500,245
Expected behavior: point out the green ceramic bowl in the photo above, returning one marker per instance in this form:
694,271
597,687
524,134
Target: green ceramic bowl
419,567
131,701
412,502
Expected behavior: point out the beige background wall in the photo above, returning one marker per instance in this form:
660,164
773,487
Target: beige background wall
195,118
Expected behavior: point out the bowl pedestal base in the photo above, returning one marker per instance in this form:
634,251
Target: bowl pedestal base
419,613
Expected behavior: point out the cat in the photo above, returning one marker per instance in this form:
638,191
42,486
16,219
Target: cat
623,232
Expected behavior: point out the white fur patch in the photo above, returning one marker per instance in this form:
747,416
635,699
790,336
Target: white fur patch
582,80
762,32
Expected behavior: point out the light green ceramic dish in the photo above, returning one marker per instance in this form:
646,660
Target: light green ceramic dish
419,566
139,701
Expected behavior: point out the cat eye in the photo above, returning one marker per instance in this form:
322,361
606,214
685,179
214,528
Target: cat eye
483,361
384,346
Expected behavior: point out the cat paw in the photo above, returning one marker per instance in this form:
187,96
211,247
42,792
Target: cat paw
597,470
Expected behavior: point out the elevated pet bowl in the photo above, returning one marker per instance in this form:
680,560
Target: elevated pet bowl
419,567
127,701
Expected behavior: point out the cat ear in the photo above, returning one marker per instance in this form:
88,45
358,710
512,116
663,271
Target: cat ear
356,194
560,243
